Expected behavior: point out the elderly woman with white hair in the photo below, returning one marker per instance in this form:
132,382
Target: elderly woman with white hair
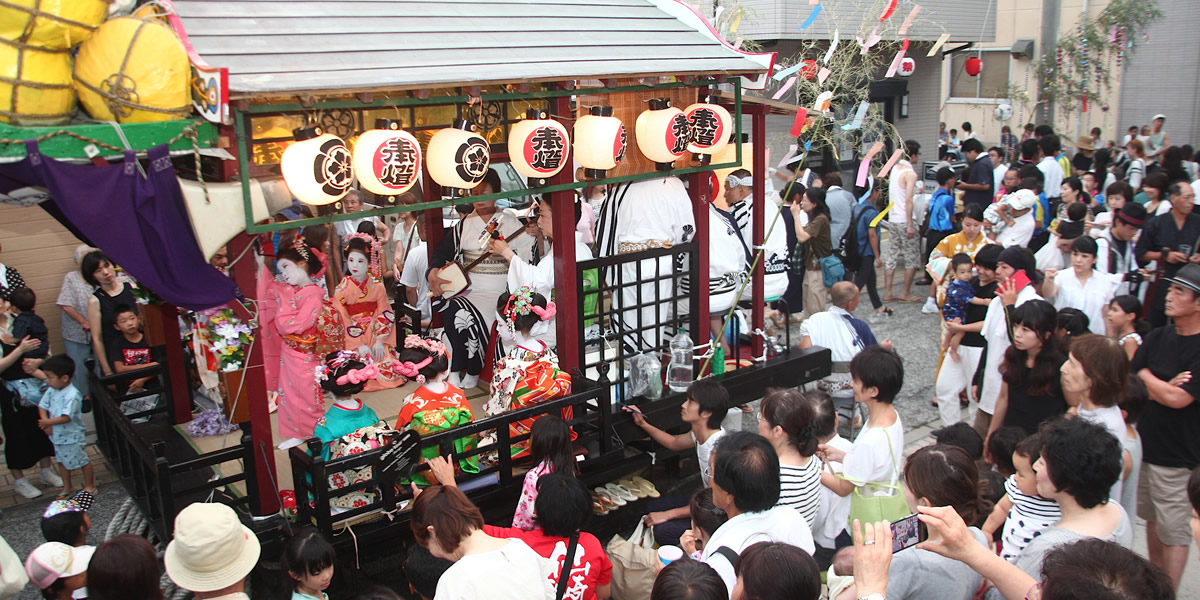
76,331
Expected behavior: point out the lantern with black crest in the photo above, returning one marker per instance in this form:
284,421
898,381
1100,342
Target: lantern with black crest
600,141
316,168
387,159
663,133
710,124
458,159
537,147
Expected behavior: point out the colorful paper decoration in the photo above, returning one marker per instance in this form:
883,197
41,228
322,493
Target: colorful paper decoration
710,124
809,68
600,141
458,159
663,133
387,159
317,167
537,147
974,66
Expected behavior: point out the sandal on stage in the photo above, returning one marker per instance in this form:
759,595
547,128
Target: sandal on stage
646,486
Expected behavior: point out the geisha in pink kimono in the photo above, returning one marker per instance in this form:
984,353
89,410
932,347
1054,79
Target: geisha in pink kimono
309,329
529,373
362,303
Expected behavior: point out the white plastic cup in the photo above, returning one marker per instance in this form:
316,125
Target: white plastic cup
669,554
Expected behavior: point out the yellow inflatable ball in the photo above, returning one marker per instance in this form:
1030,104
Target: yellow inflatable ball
51,24
134,71
35,86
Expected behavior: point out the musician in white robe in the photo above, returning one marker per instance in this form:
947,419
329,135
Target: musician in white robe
468,316
775,254
540,277
638,216
729,254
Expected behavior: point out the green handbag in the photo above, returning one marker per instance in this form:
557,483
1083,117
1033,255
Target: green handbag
875,508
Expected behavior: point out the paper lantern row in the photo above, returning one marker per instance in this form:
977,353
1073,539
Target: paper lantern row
319,168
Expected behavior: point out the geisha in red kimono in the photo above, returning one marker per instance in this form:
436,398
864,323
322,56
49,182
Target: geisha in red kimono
437,405
529,373
309,329
362,303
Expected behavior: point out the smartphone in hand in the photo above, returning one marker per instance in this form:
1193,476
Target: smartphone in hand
907,532
1020,279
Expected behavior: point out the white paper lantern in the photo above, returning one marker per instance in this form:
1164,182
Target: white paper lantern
458,159
537,147
907,66
317,167
600,141
387,159
710,124
662,133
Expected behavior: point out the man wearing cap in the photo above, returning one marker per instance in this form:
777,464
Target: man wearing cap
1171,449
212,552
955,375
1017,274
1171,240
1159,140
1117,248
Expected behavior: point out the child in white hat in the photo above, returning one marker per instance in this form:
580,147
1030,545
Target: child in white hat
58,569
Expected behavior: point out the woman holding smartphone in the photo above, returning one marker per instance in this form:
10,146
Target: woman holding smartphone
938,475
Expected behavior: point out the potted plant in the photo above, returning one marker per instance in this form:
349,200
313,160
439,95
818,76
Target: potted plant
230,338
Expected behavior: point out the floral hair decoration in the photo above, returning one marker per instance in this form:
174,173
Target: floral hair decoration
343,357
521,303
375,265
299,245
366,373
412,370
433,346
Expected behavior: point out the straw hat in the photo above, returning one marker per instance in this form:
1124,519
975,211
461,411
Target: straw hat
55,560
1084,143
212,550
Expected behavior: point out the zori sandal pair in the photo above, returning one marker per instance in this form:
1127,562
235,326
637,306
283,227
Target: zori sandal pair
612,496
640,487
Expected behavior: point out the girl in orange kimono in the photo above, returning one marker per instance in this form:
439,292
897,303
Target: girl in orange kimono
529,373
309,330
437,405
362,303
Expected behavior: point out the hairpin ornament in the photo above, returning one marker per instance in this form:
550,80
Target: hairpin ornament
366,373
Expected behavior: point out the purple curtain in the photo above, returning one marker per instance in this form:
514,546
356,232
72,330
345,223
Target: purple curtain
141,223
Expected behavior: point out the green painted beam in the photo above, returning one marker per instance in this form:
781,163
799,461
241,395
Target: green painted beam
141,136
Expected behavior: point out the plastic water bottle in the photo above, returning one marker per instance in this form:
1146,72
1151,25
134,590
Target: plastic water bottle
679,371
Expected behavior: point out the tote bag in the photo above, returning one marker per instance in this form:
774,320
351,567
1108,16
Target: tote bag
633,564
871,508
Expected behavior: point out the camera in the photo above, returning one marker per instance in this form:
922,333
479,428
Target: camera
1135,277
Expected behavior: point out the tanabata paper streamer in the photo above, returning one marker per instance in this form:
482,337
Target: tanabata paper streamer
812,2
887,12
908,21
807,145
864,167
738,43
717,15
822,103
812,16
871,40
823,74
875,148
736,22
786,157
780,76
798,124
783,90
858,117
891,72
938,44
887,166
833,44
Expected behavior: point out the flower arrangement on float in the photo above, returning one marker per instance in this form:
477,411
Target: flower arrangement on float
229,339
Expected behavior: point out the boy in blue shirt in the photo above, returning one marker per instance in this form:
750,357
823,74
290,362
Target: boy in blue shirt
941,210
61,410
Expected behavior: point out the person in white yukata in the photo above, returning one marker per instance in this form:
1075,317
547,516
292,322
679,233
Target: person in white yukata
729,253
775,254
540,277
642,216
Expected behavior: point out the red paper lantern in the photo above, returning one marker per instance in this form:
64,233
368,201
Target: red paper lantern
907,66
537,147
974,66
387,159
809,70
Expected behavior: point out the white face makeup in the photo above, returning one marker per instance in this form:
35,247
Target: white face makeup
293,273
357,263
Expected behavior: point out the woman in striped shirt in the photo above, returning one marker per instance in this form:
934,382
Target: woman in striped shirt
785,419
